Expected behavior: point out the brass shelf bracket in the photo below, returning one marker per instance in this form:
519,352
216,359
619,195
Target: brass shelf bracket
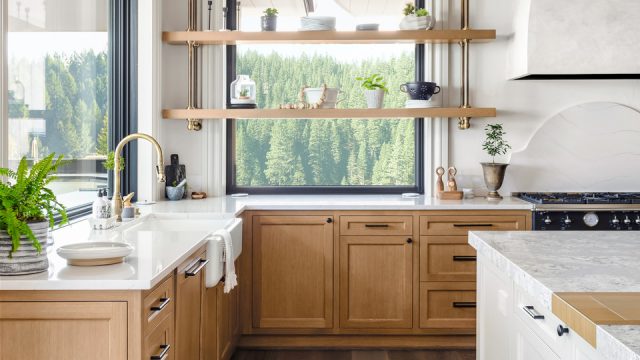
464,122
192,68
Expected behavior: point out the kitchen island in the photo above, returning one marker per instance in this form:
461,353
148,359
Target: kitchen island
540,295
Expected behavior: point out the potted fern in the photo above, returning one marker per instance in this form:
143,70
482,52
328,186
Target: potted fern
374,89
494,145
269,19
27,211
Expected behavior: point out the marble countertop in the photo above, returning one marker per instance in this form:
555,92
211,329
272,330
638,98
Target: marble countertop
545,262
155,255
228,204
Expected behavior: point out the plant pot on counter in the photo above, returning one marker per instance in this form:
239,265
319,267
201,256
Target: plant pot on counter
269,23
25,260
375,98
493,178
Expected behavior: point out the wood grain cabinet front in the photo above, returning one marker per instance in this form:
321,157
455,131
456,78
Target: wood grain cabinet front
292,271
190,287
448,305
376,282
447,258
460,225
159,344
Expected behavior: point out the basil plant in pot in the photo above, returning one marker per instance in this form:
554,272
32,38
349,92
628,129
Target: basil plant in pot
494,144
375,88
27,211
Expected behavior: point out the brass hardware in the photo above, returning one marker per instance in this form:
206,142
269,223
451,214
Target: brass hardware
463,122
117,197
192,68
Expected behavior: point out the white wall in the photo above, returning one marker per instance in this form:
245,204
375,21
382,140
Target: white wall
522,105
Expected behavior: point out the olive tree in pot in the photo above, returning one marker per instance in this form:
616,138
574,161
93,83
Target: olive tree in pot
374,89
27,211
269,19
494,145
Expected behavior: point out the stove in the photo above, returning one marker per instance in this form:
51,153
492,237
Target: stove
584,211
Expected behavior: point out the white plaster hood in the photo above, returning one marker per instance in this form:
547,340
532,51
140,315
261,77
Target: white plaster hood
583,39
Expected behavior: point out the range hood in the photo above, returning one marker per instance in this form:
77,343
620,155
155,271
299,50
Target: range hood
575,39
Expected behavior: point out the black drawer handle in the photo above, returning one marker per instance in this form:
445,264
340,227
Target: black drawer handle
199,266
376,225
472,225
464,258
531,311
329,220
163,353
163,303
464,304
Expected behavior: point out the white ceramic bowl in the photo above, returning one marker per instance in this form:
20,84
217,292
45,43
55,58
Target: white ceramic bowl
313,95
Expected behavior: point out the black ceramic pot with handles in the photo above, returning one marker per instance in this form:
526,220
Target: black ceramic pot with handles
420,90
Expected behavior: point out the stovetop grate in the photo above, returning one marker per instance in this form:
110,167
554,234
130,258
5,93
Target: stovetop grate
581,198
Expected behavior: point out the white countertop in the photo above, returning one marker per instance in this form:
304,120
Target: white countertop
545,262
158,252
228,204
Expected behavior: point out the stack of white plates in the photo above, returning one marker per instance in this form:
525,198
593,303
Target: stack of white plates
418,104
317,23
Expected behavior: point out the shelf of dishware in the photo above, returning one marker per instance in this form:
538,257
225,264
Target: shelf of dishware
327,37
434,112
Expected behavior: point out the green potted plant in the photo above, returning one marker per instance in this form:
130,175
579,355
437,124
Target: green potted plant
494,144
416,18
269,19
374,89
27,211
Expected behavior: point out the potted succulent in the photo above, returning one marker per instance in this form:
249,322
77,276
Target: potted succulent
416,18
494,144
269,19
374,89
27,212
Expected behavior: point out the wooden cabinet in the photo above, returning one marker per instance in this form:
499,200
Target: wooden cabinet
448,305
63,330
222,324
447,258
376,282
190,287
160,341
293,271
461,224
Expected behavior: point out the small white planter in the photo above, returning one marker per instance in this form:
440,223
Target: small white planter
375,98
413,22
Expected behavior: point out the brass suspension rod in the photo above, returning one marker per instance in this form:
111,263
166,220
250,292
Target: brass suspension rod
192,67
463,122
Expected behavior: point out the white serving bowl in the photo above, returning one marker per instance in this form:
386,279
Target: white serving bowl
313,95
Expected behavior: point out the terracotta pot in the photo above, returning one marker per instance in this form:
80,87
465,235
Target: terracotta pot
493,178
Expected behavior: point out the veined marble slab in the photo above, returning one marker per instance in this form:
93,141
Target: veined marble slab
544,262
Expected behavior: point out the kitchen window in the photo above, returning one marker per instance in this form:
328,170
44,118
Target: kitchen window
323,155
62,59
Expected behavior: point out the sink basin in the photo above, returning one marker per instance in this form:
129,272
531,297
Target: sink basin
203,225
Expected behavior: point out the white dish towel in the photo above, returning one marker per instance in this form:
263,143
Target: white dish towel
230,278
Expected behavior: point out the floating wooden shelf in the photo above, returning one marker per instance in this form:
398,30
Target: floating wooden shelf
327,37
326,113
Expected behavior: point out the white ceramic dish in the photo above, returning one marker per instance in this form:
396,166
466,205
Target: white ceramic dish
367,27
93,253
418,104
313,95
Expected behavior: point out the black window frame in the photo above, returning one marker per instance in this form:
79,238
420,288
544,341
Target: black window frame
233,188
123,94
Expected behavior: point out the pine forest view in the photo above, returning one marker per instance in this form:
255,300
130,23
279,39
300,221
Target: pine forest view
318,152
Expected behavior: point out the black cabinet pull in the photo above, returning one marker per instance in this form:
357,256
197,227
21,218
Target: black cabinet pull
199,266
532,312
409,240
472,225
464,304
164,351
562,330
376,225
329,220
464,258
163,303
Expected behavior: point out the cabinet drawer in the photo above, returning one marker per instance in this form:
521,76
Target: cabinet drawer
158,303
447,258
376,225
461,225
158,345
541,321
448,305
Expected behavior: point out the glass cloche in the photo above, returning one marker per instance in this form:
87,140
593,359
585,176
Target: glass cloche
243,93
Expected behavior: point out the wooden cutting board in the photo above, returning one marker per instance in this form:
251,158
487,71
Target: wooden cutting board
583,311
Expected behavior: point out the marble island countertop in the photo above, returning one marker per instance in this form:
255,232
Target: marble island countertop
544,263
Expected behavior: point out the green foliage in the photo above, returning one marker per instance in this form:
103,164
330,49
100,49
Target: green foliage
422,12
28,199
244,92
494,144
103,137
270,12
373,82
110,164
409,9
323,152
